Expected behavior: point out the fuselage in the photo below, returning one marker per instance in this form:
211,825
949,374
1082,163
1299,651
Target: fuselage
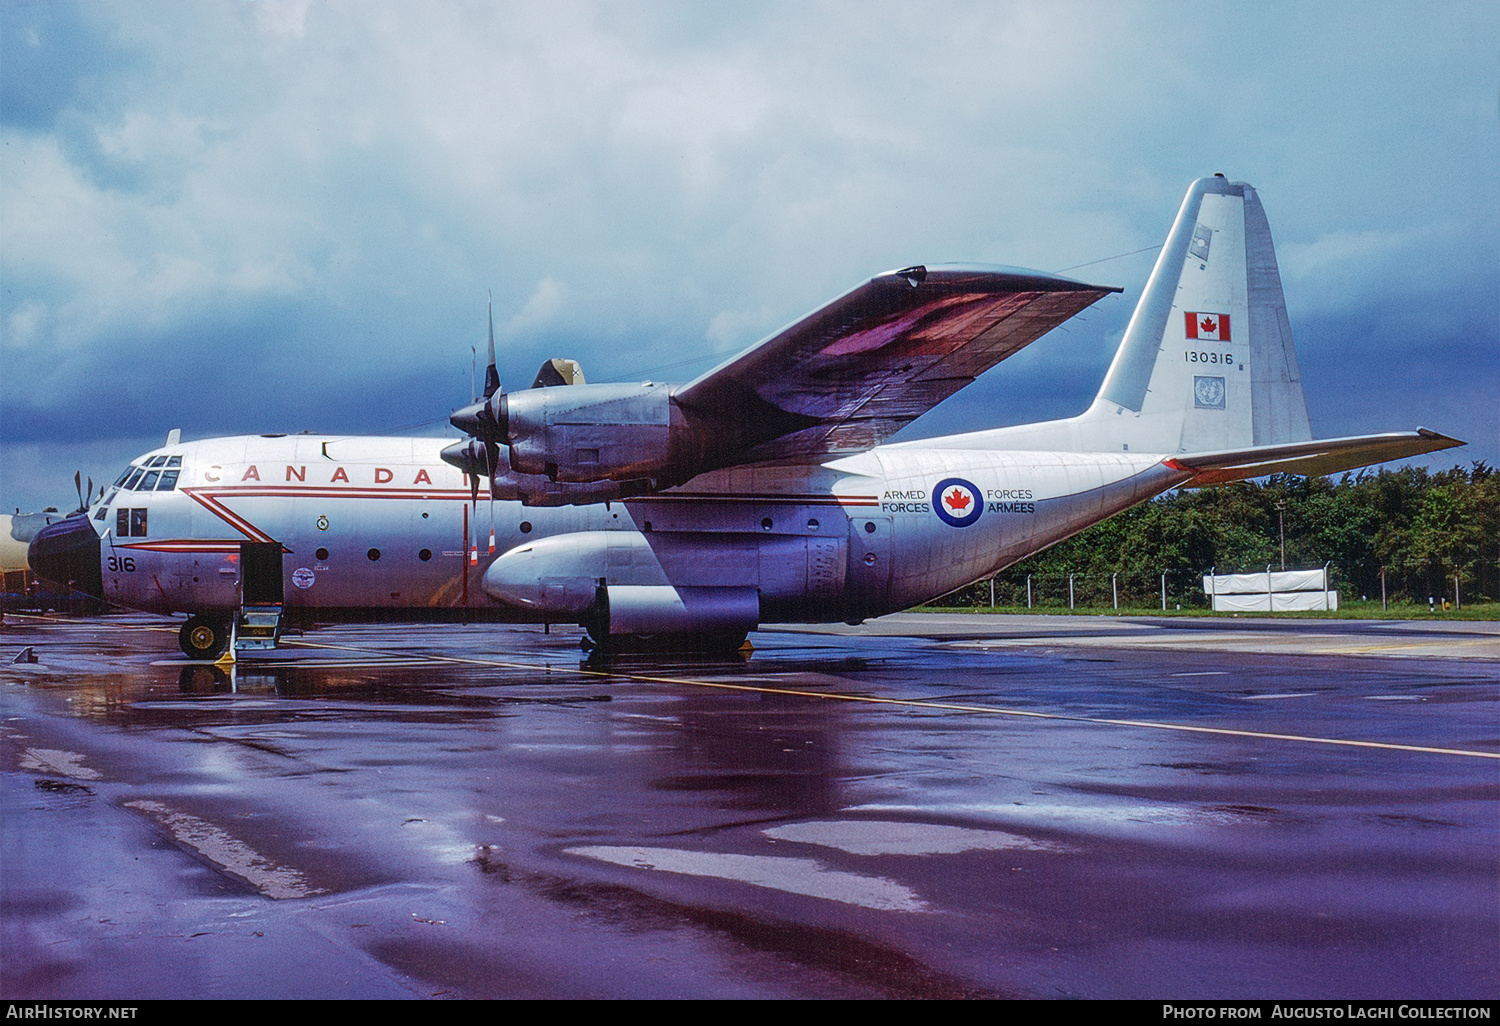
376,526
244,533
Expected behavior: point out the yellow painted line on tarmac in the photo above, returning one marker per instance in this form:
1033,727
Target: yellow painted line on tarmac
913,703
1439,645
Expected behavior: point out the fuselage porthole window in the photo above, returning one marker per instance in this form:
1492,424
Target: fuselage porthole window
322,555
374,554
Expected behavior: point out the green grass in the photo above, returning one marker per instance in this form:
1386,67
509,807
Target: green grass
1348,610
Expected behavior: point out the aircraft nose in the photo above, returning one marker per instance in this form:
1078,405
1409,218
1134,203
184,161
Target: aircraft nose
67,553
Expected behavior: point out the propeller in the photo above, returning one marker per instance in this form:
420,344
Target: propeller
487,422
489,442
84,498
480,455
491,447
486,419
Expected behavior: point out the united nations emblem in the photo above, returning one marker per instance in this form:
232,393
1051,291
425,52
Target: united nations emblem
1208,393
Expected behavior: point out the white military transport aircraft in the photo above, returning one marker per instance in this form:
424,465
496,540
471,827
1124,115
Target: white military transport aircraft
758,493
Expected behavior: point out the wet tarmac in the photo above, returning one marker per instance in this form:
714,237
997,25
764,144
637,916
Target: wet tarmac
923,807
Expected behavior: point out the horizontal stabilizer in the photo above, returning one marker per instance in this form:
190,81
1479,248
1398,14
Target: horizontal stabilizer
1325,456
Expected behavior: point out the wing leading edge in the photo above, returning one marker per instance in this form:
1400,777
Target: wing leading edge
847,376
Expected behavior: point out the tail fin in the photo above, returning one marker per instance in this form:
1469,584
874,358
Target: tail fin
1207,362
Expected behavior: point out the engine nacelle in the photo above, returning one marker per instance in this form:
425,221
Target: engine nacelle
593,432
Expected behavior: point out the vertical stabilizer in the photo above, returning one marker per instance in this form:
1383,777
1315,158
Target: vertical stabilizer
1207,361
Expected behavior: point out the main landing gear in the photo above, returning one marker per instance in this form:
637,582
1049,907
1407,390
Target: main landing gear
203,638
707,645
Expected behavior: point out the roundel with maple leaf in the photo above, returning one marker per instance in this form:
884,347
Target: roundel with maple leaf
957,502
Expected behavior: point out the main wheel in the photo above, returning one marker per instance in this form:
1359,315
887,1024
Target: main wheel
201,638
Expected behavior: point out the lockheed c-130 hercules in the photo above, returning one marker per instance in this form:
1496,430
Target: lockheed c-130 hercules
759,492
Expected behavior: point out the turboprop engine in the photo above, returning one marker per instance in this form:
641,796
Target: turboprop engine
587,433
636,435
563,441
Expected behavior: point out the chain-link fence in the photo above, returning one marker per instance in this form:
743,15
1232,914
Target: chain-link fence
1182,587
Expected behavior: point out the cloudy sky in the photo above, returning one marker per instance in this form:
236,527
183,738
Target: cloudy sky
236,216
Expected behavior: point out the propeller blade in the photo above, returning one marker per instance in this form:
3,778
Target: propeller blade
491,373
485,419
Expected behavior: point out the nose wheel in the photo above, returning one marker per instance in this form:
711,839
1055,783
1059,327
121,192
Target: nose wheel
202,638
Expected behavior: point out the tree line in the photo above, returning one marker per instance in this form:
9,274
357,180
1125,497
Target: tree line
1406,534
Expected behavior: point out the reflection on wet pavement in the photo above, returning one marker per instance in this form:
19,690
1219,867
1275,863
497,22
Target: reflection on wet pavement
474,811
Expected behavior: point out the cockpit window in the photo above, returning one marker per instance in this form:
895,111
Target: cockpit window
141,479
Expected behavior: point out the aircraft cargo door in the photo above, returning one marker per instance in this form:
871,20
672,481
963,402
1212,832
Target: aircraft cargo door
260,573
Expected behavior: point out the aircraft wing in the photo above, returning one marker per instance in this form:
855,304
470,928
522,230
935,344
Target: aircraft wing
1326,456
845,377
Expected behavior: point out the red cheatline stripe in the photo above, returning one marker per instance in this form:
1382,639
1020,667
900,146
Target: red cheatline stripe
234,520
183,545
211,499
793,500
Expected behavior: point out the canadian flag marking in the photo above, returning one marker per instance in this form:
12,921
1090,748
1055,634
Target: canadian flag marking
1207,327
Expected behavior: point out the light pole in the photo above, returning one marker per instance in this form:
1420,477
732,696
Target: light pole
1281,524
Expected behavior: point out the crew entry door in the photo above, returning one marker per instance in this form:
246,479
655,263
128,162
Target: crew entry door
260,574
